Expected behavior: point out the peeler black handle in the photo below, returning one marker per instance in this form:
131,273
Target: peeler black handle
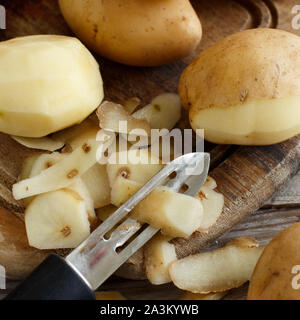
54,279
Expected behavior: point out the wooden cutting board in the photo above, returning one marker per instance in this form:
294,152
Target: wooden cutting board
247,176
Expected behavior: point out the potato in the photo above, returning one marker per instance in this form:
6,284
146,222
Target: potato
176,214
134,32
163,112
159,254
200,296
96,181
60,174
217,270
276,275
44,143
245,89
48,83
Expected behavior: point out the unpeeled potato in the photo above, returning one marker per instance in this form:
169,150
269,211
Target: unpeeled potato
134,32
277,273
245,89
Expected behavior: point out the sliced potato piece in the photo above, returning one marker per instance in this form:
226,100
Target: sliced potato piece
44,143
159,254
27,166
122,189
96,181
176,214
200,296
140,166
89,133
217,270
105,212
210,183
212,203
45,161
80,187
57,219
59,175
111,114
163,112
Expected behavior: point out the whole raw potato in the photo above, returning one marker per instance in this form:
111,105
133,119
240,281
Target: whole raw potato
277,273
47,83
135,32
245,89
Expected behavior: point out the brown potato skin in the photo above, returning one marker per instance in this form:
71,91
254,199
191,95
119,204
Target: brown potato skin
249,65
272,276
134,32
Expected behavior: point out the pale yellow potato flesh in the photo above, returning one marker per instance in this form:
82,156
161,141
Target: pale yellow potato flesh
159,254
122,189
163,112
60,174
260,122
96,181
139,166
176,214
48,82
212,203
57,219
44,143
217,270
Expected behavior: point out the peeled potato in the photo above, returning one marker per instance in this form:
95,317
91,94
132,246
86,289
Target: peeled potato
134,32
57,219
163,112
48,83
277,273
217,270
245,89
200,296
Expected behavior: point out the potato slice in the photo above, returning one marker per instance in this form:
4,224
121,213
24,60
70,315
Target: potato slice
44,143
217,270
46,161
176,214
57,219
140,166
89,134
96,181
210,183
163,112
159,254
27,166
212,203
111,114
104,212
122,189
59,175
200,296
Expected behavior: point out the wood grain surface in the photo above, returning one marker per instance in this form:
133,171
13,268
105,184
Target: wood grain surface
247,176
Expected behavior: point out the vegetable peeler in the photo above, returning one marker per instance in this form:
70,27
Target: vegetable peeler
112,243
